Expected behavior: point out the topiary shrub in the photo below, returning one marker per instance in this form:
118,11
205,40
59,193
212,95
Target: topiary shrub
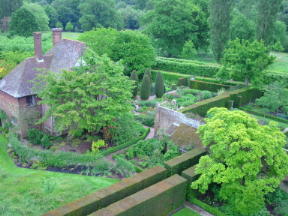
159,86
134,77
145,87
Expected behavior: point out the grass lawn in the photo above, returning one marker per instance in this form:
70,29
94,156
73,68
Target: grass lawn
186,212
34,192
281,63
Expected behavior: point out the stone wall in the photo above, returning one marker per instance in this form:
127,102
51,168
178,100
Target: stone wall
165,118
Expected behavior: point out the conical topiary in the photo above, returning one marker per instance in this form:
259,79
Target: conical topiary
159,85
145,88
134,77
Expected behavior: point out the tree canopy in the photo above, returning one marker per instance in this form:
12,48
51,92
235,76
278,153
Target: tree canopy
87,98
246,160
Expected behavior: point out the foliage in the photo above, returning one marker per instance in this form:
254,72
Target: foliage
5,124
7,7
88,98
266,18
220,18
135,51
68,11
38,137
135,78
69,27
133,48
131,17
280,36
159,85
172,22
145,90
98,14
97,145
275,98
242,27
244,60
189,51
246,159
52,15
146,119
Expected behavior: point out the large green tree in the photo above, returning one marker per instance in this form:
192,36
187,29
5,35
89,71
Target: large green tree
220,18
266,18
28,19
132,48
99,13
88,98
246,159
246,61
173,22
7,7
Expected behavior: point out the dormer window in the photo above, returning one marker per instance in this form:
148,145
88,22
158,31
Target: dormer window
31,100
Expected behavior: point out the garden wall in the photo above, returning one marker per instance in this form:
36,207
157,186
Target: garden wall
157,200
114,193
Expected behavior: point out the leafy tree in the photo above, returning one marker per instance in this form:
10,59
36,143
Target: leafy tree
275,98
220,17
280,35
246,160
135,51
88,98
135,78
99,13
69,27
242,27
172,22
159,85
244,60
133,48
7,7
189,51
68,11
131,17
266,18
145,88
52,15
40,14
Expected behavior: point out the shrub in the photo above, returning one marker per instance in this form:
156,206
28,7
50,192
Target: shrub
147,119
145,88
159,85
37,137
189,51
135,78
97,145
5,124
69,27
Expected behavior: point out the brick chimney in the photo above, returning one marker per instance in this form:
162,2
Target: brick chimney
57,35
38,46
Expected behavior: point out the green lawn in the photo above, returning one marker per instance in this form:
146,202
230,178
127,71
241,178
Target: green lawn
34,192
281,63
186,212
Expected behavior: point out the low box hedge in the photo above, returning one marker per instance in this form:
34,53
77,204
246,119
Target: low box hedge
184,161
114,193
190,174
206,207
157,200
209,86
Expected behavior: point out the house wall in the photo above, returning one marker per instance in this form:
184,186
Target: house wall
22,116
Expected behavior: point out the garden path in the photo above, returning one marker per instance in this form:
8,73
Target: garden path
198,209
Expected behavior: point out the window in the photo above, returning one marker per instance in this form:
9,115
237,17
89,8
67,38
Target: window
31,100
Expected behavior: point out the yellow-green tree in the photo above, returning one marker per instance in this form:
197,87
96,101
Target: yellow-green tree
246,159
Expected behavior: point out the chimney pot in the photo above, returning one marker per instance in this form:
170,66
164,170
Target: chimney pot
57,35
38,46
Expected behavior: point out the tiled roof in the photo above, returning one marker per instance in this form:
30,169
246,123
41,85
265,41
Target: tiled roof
63,56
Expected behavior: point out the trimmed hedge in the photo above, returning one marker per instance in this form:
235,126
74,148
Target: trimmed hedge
114,193
194,68
157,200
236,98
137,168
265,115
64,159
169,76
203,85
184,161
190,174
206,207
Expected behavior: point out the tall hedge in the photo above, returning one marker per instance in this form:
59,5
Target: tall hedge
135,78
159,85
145,88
